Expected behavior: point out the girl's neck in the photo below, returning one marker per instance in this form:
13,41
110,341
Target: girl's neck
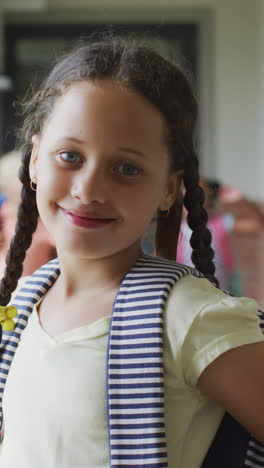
104,274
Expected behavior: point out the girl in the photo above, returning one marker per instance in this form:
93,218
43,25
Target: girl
108,139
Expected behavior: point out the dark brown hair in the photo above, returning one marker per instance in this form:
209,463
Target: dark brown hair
166,87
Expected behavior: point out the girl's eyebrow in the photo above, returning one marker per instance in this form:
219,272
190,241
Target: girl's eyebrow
127,149
72,139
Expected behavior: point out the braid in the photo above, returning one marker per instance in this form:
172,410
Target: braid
27,219
201,238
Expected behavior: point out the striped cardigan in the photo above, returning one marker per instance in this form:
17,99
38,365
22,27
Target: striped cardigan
135,392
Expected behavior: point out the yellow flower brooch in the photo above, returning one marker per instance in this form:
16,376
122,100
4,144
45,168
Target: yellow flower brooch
7,313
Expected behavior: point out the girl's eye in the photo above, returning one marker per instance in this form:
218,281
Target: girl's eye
128,169
69,157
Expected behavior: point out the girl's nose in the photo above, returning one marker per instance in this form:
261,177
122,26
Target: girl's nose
89,186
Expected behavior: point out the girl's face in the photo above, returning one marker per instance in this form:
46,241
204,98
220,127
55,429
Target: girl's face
101,166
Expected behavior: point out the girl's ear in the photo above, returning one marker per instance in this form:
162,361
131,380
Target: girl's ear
34,158
173,190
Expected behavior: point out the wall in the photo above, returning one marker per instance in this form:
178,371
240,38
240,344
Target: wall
260,110
140,4
237,65
1,39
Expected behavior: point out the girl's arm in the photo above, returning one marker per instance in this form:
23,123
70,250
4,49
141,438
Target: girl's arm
235,381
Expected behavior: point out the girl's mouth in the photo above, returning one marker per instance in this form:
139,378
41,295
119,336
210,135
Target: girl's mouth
87,221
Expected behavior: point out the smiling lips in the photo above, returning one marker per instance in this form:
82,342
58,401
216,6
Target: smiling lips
90,221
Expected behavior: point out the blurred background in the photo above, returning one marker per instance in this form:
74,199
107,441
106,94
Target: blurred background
220,42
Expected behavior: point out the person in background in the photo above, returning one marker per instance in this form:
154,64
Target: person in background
248,217
42,248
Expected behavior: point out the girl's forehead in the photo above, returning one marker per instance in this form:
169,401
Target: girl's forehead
106,92
105,105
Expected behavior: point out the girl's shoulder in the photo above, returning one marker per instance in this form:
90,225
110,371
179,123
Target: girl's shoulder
195,295
201,322
21,282
39,281
196,306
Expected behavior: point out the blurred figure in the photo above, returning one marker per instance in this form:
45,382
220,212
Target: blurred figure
42,247
2,198
248,217
248,238
220,225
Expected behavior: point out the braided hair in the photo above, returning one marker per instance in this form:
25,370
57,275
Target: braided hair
144,71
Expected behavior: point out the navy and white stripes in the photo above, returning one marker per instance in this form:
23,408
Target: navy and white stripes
135,365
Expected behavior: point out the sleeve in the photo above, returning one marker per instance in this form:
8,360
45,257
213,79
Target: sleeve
218,327
201,322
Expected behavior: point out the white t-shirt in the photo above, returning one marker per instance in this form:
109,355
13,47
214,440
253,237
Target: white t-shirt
55,399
